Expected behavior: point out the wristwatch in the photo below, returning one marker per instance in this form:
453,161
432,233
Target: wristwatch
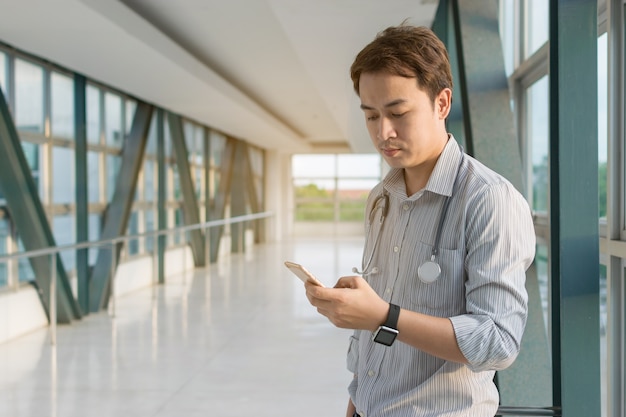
387,333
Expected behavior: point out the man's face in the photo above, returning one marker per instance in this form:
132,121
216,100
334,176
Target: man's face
405,126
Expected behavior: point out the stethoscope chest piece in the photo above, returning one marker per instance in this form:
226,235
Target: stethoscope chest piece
428,272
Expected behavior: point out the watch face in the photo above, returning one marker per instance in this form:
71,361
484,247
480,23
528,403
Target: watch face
385,335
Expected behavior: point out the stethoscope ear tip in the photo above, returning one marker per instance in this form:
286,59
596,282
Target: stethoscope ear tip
356,271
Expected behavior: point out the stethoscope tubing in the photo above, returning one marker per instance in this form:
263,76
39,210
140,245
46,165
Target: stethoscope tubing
430,268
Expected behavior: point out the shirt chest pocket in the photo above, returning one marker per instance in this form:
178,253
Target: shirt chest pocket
444,297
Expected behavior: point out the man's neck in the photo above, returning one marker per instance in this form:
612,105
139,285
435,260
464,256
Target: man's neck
416,178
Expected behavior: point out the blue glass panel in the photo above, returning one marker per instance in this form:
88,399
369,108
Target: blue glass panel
62,108
93,176
63,229
133,229
93,114
63,177
29,114
113,120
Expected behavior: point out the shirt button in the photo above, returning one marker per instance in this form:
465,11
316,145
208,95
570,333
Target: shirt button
396,249
371,373
388,290
375,270
405,207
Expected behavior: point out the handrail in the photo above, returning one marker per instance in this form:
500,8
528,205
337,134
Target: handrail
112,242
153,233
528,411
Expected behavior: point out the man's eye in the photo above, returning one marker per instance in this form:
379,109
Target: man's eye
397,115
371,118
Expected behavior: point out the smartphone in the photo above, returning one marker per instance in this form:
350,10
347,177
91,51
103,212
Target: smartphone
302,273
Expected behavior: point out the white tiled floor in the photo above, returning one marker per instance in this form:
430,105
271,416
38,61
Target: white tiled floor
236,339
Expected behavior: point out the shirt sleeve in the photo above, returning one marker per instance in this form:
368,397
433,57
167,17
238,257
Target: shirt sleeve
500,244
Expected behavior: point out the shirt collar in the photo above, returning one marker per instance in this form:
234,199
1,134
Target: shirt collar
442,178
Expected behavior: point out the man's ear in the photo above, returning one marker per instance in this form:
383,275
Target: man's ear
443,103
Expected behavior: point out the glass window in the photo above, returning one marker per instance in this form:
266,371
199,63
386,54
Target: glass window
63,177
256,161
167,140
131,106
94,236
133,229
28,96
113,166
176,191
538,136
188,135
149,227
24,270
218,144
151,146
536,31
93,114
316,166
4,237
199,183
199,144
62,108
113,120
602,123
507,34
63,228
93,176
333,187
541,260
3,74
149,182
31,153
178,222
365,165
352,195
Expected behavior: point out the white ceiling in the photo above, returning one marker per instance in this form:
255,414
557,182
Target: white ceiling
272,72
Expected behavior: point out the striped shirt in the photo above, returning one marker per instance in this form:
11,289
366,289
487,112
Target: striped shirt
487,243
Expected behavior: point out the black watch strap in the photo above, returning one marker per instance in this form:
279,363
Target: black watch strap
392,317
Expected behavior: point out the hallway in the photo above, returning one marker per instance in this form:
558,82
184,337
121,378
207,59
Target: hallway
236,339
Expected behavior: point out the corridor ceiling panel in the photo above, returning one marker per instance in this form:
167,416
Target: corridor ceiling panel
274,73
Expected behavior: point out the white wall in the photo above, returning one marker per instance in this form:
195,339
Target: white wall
278,195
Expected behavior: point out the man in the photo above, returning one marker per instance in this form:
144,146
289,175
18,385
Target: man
442,303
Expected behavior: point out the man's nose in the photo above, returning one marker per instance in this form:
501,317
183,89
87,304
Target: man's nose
385,129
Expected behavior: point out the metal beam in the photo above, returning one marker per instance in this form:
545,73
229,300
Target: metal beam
28,215
616,284
574,242
190,209
81,192
116,216
238,197
221,194
162,195
255,196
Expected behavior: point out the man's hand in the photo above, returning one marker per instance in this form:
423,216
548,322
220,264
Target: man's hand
351,304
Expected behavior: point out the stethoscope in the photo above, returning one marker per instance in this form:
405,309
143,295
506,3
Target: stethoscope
429,271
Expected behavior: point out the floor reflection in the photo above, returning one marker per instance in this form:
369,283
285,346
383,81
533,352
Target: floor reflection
234,339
